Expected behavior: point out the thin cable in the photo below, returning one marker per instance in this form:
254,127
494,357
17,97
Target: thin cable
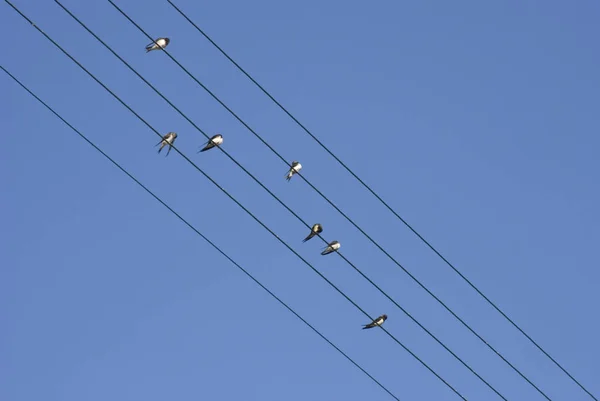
379,198
201,235
274,196
238,203
339,210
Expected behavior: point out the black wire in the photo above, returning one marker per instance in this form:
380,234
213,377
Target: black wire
275,197
379,198
344,215
237,202
200,234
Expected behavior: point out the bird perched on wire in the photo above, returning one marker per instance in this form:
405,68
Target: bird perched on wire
331,247
316,229
216,140
375,323
159,43
168,139
295,168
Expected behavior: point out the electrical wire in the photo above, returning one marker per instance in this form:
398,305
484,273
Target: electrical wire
116,164
340,211
237,202
275,197
413,230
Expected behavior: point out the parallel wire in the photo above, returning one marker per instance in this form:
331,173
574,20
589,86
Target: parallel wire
277,198
414,231
341,212
237,202
116,164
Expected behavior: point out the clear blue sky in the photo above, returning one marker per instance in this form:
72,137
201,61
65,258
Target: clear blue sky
478,122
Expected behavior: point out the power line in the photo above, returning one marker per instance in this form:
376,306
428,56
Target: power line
116,164
339,210
276,198
237,202
289,114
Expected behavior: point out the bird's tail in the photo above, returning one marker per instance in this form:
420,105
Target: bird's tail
309,237
327,251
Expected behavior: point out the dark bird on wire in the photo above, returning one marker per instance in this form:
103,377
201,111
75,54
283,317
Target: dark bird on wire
159,43
375,323
167,140
216,140
296,167
316,229
331,247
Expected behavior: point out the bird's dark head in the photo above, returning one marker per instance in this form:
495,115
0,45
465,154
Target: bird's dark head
167,40
384,317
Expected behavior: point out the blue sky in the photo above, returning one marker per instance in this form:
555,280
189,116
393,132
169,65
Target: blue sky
477,122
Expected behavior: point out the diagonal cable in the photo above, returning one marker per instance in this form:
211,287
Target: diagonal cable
201,235
414,231
237,202
274,196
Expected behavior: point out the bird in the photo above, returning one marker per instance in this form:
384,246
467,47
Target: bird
159,43
331,247
377,322
316,229
296,167
216,140
168,139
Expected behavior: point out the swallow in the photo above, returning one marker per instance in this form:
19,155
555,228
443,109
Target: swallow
167,140
296,167
212,142
331,247
159,43
377,322
316,229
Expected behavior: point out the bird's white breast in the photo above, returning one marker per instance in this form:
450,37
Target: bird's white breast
336,246
162,42
218,140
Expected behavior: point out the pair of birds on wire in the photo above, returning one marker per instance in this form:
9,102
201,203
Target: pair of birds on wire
331,247
170,137
217,140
